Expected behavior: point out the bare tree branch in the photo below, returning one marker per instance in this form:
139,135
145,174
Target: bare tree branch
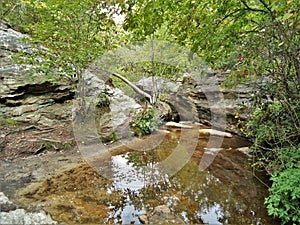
265,5
134,87
252,9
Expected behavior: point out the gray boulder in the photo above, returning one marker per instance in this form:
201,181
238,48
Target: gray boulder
103,109
207,94
203,100
20,216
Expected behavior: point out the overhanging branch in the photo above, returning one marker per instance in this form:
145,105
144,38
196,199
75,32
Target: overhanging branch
134,87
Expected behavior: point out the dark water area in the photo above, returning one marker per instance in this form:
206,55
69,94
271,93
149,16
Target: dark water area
226,192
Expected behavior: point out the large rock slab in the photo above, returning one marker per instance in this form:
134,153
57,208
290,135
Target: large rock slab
204,99
25,88
207,93
103,111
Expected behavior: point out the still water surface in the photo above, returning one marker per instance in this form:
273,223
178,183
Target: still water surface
226,192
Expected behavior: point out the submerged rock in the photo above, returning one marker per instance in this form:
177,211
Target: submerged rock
163,215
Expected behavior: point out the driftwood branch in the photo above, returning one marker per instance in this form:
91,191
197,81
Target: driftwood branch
134,87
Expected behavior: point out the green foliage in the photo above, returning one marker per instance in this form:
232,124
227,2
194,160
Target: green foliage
111,137
223,33
276,124
276,131
283,201
76,32
145,122
136,71
139,159
255,39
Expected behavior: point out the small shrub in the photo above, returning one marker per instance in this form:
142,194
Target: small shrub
283,201
145,123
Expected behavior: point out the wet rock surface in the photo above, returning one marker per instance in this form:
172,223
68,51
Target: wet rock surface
161,215
71,191
19,172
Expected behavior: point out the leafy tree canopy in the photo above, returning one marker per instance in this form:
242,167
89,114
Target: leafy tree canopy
222,32
256,39
76,31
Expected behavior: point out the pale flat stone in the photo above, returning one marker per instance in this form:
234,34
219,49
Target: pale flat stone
162,209
178,125
215,133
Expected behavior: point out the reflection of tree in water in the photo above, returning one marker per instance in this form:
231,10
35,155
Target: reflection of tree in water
227,192
141,159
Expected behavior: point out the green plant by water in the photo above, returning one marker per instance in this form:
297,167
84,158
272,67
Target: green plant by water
145,122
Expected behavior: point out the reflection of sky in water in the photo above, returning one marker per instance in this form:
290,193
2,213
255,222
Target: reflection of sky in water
128,215
212,214
125,175
129,177
212,196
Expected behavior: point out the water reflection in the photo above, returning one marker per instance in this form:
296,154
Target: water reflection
125,175
226,193
212,215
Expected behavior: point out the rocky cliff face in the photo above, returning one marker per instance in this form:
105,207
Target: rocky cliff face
204,100
234,102
41,100
27,95
24,90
